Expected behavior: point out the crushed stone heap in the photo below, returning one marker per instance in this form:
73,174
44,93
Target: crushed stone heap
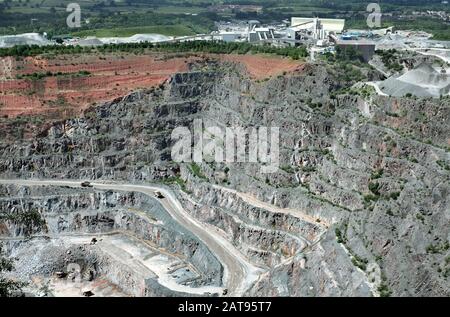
423,81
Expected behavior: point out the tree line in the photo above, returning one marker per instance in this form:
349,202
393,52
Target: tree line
217,47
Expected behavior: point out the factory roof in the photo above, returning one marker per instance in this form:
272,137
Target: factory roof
331,25
354,42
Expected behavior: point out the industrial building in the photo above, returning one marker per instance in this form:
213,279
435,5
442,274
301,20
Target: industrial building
329,25
258,34
365,47
312,31
252,32
301,31
314,28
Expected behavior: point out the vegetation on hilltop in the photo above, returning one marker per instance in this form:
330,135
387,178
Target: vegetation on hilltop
139,48
185,17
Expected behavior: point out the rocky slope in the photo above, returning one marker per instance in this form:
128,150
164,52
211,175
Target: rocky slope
359,207
52,216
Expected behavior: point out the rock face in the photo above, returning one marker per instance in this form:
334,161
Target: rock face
53,212
424,81
324,270
359,207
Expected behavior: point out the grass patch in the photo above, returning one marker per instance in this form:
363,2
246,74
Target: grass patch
178,181
384,290
438,248
340,236
443,165
29,219
359,262
38,76
196,170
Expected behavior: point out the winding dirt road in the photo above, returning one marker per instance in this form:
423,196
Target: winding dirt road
239,274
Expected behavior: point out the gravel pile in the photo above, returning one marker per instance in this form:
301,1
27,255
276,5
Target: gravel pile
423,81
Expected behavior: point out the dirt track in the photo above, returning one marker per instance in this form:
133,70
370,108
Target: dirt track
239,274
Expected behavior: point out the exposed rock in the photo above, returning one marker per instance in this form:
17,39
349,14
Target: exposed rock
372,172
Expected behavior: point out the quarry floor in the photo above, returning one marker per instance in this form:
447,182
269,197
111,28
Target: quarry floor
143,259
239,273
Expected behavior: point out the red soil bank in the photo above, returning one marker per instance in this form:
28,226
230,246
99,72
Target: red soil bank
111,76
260,67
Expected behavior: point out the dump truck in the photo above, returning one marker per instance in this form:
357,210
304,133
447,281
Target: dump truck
158,194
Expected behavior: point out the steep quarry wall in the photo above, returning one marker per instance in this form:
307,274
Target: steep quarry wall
371,174
27,212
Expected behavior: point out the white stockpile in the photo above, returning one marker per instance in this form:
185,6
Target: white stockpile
23,39
423,81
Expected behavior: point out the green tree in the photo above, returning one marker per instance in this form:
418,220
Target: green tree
7,286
